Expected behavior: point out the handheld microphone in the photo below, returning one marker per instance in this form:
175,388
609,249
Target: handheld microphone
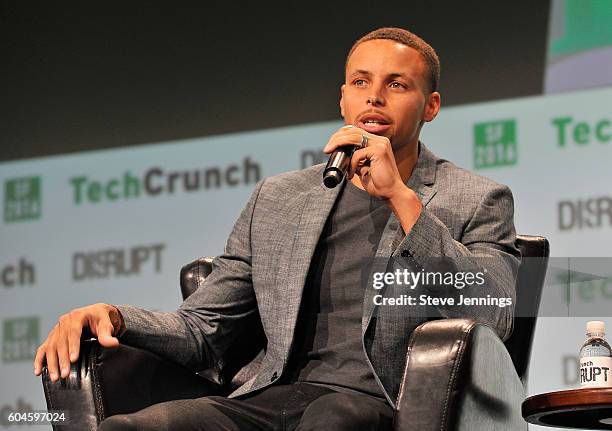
337,166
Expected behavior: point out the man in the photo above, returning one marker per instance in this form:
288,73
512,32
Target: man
301,257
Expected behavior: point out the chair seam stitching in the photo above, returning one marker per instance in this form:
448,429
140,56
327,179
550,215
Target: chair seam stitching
451,380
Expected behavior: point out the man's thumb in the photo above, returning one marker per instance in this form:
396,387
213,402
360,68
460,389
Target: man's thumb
105,337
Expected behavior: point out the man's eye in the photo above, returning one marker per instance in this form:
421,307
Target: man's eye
359,82
396,85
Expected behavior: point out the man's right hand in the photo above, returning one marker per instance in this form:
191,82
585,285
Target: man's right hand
63,342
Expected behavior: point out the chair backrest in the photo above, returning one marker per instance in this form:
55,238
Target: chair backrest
193,275
529,284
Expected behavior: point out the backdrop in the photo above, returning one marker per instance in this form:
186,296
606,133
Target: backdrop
116,225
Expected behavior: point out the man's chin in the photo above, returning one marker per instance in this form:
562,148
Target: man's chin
386,134
398,144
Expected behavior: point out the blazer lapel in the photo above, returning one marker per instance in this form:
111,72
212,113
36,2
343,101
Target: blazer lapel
318,203
422,181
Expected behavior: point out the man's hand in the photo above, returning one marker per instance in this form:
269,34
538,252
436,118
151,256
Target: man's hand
375,164
377,170
63,342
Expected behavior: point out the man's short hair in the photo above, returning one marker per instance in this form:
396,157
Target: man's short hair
413,41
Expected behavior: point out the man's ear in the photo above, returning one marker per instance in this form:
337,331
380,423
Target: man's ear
342,100
432,107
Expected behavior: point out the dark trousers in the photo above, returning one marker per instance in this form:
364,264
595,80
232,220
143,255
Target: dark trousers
297,406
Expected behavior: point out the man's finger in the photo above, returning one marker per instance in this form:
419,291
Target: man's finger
62,351
51,356
342,137
343,140
74,340
104,333
38,359
358,159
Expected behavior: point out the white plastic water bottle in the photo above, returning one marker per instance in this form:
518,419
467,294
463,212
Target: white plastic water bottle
595,357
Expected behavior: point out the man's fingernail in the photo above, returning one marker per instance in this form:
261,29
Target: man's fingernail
65,372
53,375
73,356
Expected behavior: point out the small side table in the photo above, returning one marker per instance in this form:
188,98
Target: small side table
589,408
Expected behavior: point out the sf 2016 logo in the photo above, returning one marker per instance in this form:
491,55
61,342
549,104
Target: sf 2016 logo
20,339
495,144
22,199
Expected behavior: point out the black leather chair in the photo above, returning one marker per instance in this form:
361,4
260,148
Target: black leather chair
458,373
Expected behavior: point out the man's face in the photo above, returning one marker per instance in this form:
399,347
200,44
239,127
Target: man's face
385,92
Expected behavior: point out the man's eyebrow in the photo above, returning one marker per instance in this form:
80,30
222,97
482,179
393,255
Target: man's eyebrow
360,72
390,75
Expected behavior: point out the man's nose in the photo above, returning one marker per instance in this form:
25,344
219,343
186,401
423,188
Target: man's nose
376,98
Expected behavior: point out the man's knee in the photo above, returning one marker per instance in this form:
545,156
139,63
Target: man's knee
342,412
117,423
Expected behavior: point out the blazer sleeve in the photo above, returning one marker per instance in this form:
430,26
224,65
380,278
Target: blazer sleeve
487,246
199,333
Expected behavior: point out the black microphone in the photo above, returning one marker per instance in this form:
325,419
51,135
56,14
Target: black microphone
338,165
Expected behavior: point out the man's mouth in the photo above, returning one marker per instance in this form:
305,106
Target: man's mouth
374,126
374,123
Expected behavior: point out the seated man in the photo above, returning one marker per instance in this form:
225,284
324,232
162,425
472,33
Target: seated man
301,257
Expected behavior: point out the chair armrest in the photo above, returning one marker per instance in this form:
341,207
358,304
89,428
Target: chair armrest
458,376
104,382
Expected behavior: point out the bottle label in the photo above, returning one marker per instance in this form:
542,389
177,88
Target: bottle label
596,371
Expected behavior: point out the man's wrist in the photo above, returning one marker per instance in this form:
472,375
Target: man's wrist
406,206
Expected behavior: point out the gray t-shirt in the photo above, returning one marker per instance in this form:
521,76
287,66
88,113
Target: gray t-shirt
328,346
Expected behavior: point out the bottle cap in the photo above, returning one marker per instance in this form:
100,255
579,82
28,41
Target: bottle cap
596,327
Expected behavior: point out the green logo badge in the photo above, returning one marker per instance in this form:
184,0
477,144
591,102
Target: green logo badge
495,144
22,199
20,339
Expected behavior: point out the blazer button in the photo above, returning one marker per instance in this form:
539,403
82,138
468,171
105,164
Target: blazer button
405,253
274,376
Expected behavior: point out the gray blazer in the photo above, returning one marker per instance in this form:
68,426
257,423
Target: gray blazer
268,253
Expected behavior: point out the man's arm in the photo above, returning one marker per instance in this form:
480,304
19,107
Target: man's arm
196,335
210,320
486,247
487,241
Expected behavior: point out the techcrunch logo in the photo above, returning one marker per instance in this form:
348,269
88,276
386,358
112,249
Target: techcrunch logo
22,199
582,133
20,338
155,181
495,144
21,274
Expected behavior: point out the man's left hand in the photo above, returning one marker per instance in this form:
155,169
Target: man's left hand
374,164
